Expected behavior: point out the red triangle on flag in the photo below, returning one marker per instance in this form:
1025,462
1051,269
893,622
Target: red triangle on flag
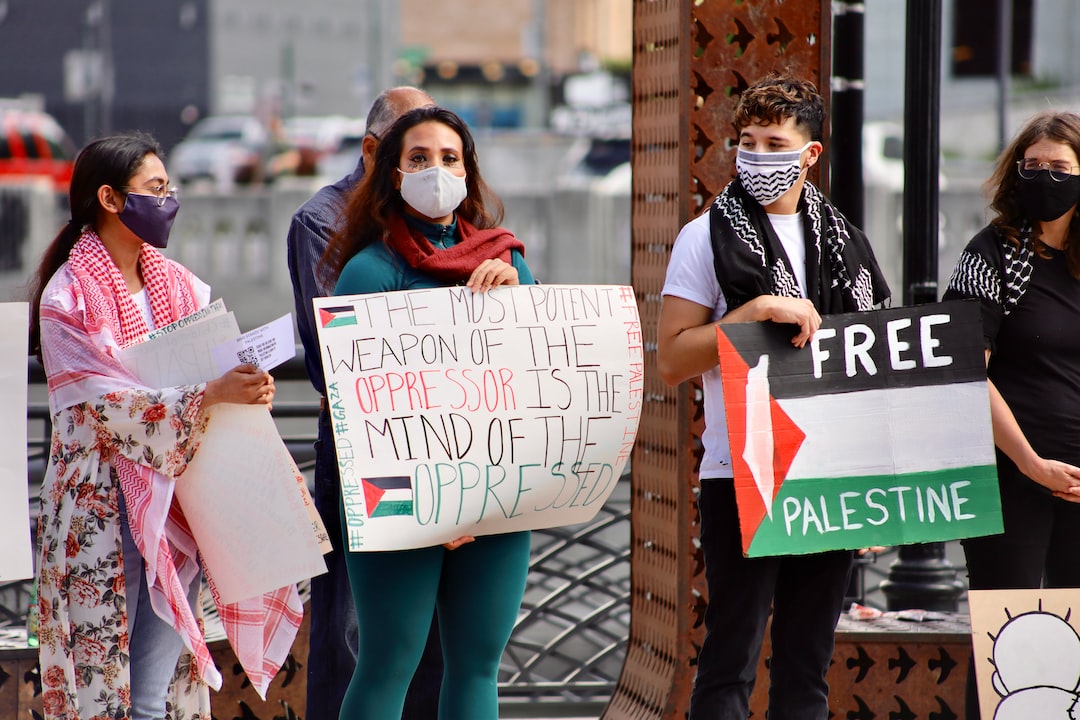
325,316
787,439
372,495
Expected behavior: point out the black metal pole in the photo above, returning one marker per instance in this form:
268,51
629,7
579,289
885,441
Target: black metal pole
921,576
922,108
846,159
1003,68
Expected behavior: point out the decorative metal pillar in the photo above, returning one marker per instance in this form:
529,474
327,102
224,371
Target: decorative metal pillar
922,577
692,59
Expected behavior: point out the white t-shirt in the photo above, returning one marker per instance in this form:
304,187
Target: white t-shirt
142,301
691,276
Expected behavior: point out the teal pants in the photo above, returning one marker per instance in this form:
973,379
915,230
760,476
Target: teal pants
477,591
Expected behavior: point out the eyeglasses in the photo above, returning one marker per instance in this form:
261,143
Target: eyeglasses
161,193
1060,170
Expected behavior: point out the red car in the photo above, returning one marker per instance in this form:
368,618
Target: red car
32,144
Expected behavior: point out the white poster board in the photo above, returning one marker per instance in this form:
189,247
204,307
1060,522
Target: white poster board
1026,648
242,495
457,413
16,561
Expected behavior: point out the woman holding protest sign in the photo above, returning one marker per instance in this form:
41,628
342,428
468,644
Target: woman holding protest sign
1024,268
421,218
118,570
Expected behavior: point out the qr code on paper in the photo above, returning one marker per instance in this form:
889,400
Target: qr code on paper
248,355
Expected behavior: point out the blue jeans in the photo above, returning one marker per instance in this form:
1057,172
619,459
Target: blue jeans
155,646
333,638
806,596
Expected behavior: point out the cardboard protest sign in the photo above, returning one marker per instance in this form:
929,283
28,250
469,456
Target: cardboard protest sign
15,562
1026,648
457,413
242,494
876,433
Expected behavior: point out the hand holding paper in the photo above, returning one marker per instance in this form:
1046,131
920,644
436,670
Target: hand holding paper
243,385
265,347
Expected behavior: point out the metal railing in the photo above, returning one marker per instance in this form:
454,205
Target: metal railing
571,634
572,629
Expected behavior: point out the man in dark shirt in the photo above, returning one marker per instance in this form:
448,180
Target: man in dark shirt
332,646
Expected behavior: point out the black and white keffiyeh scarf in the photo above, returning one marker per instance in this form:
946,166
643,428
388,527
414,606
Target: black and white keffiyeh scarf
842,274
996,272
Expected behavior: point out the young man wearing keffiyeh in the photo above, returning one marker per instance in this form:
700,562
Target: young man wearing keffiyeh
118,569
770,248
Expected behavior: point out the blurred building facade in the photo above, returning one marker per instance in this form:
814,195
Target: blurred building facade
106,65
502,63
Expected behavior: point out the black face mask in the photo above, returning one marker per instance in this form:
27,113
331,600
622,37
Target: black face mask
1046,199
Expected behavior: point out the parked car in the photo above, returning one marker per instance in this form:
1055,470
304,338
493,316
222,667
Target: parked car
316,137
883,156
32,144
342,160
226,149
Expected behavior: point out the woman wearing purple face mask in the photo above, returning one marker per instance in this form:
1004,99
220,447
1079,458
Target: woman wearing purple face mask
118,571
1024,269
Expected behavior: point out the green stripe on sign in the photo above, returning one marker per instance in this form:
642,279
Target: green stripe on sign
388,508
816,514
341,321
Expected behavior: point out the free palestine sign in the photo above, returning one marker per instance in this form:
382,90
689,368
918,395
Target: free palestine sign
876,433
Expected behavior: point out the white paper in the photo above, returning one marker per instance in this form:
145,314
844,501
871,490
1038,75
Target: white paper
265,347
252,519
16,561
240,498
182,357
457,413
215,308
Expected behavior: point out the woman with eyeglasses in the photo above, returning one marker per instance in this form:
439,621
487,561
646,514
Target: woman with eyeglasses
117,569
1024,268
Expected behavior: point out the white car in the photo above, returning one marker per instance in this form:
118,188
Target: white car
883,156
226,149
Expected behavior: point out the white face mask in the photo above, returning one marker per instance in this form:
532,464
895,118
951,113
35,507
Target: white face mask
768,175
435,192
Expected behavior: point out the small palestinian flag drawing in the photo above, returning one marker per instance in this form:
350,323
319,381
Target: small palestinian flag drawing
337,316
388,496
877,432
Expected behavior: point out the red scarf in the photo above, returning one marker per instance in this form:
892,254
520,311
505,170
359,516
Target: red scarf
455,263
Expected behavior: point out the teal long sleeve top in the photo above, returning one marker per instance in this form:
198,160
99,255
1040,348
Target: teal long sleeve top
377,268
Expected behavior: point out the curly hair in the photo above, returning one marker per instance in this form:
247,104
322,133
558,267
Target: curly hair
368,209
778,97
1009,217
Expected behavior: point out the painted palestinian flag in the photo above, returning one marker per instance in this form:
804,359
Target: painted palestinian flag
876,433
388,496
337,316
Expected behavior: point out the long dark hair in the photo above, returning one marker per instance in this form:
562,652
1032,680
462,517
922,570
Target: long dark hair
111,161
375,200
1009,216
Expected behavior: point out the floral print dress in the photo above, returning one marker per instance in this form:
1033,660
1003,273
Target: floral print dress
84,633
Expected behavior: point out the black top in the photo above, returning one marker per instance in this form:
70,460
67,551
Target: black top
1031,325
1036,364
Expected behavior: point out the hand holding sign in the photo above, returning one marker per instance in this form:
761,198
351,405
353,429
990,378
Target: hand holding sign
876,433
463,414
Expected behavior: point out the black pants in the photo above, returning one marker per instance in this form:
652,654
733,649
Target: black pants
806,595
1039,548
